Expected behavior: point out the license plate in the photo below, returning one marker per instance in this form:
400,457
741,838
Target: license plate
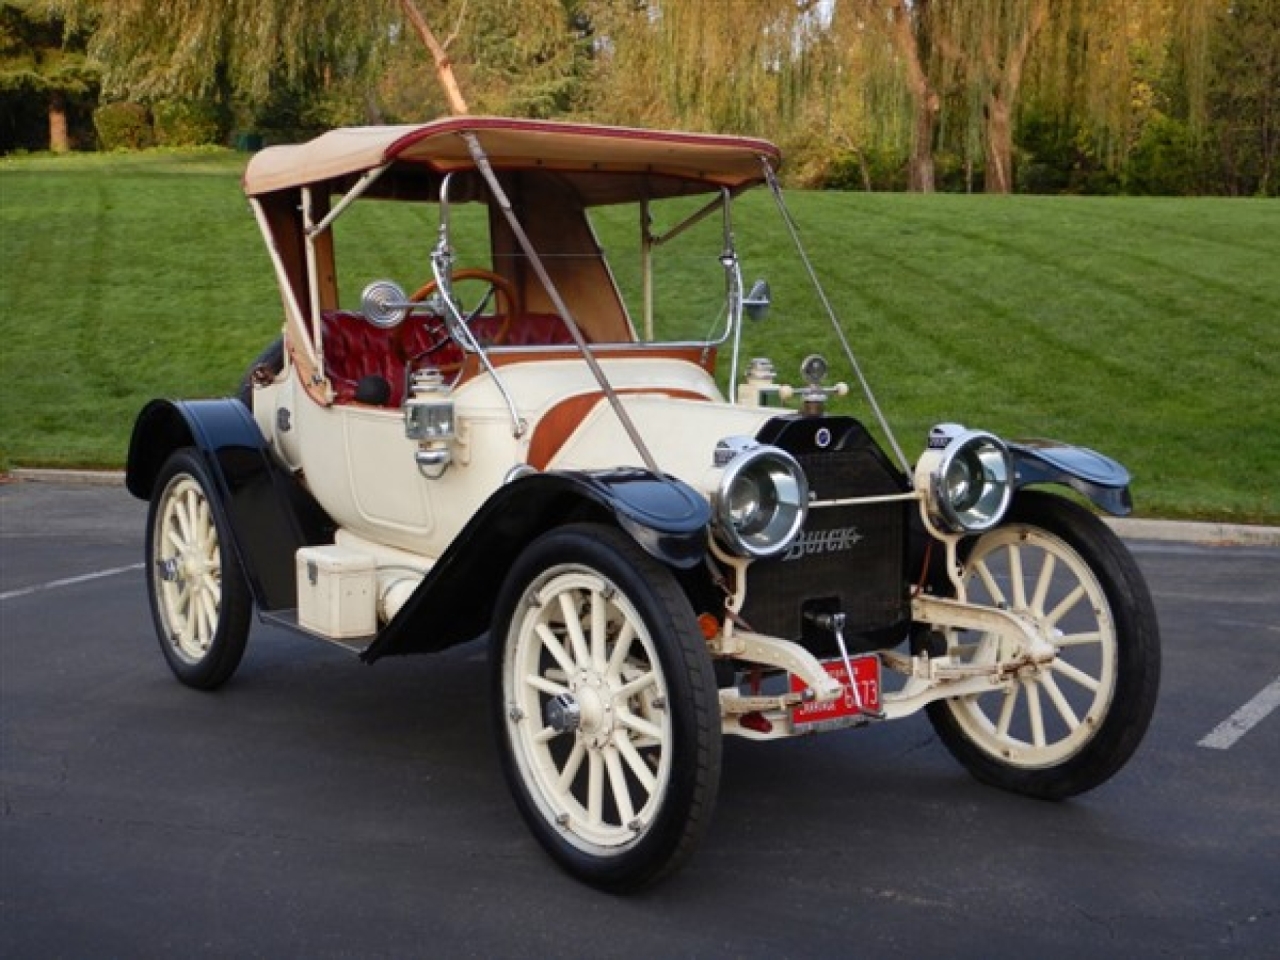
866,674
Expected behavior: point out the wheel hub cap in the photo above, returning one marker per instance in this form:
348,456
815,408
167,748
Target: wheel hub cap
562,714
595,702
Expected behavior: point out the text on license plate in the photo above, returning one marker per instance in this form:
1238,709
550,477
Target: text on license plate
866,673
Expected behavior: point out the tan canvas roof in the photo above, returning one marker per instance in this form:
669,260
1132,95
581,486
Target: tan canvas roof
513,144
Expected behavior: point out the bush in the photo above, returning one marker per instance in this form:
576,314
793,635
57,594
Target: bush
1167,161
851,170
123,126
187,123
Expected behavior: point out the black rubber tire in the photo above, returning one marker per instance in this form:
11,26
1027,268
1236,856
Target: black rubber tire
679,810
207,570
1117,732
272,359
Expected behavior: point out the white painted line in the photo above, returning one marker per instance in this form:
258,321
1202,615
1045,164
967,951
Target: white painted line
1225,734
69,581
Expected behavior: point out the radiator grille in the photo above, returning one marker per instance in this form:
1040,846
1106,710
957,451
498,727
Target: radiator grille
849,558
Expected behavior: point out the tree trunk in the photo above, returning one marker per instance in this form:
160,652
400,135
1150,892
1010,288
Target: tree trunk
1005,82
444,66
924,99
59,140
999,145
924,127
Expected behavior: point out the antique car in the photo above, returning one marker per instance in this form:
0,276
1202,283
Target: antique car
473,424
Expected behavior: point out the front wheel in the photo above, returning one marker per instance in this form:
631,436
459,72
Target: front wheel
1060,728
606,707
199,598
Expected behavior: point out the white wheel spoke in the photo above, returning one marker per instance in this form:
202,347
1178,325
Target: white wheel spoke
210,619
1006,710
182,602
1016,578
555,648
1062,609
1076,675
621,650
639,725
573,626
182,518
636,762
630,689
1079,639
1059,701
572,765
989,581
1035,713
618,785
1043,583
599,630
545,685
204,525
545,735
595,787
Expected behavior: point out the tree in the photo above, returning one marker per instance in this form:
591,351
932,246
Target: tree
1243,94
915,35
251,52
732,65
42,61
990,44
439,54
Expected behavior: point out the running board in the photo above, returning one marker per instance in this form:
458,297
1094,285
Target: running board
288,619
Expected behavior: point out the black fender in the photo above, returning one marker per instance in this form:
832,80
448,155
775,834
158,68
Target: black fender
1104,481
270,515
454,602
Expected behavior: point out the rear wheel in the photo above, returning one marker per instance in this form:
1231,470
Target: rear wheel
199,598
606,707
1063,727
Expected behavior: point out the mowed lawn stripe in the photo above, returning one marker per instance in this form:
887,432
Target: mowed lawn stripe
1146,328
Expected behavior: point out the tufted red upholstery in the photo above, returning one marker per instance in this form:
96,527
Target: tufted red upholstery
354,348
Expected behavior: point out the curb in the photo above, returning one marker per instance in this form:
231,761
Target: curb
79,478
1205,534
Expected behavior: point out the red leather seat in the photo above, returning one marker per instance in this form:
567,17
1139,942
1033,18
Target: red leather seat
355,348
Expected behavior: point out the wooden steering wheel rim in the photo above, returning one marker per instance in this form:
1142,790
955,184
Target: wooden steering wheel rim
506,291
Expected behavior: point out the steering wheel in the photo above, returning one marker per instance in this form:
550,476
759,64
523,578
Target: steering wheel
498,284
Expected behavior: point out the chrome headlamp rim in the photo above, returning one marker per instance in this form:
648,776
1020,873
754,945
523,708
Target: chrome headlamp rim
985,509
789,506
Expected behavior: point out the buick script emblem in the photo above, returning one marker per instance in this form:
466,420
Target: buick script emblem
814,542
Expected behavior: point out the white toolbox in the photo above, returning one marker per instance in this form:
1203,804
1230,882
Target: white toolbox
337,592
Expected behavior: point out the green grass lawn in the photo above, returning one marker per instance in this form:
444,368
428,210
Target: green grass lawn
1145,328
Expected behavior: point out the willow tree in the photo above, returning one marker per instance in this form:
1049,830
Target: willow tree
1099,63
732,65
967,66
248,49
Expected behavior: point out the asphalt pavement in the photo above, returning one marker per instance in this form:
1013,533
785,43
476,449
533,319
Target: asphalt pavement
315,807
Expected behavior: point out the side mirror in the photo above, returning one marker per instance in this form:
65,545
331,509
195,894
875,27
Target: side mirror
756,303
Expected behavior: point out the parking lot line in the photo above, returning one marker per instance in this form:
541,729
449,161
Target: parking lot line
1225,734
68,582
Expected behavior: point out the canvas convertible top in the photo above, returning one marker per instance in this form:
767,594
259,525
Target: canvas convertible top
711,160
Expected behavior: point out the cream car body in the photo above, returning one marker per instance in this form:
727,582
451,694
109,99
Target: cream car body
664,543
